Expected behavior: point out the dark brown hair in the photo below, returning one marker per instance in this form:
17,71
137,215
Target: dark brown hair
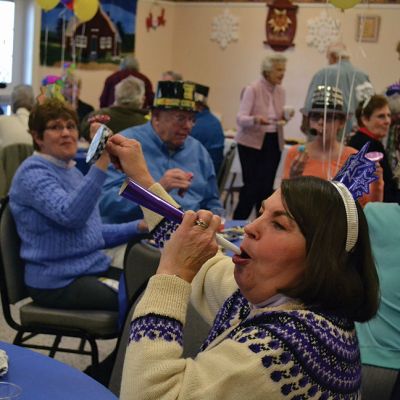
345,283
376,102
50,110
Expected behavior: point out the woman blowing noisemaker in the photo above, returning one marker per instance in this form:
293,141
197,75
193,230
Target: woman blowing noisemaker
283,310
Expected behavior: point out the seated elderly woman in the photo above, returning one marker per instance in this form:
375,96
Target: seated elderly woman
323,155
283,311
393,142
373,118
57,217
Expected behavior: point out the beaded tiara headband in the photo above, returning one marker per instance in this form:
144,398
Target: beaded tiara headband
352,181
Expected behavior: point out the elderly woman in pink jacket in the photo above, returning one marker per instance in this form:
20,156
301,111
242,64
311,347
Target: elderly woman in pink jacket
260,134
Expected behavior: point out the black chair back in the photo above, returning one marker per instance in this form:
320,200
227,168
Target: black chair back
13,288
11,157
140,265
379,383
116,375
225,168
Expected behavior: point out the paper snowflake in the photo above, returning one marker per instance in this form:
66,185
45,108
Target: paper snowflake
225,29
322,31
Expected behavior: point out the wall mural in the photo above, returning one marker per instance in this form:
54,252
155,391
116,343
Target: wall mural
96,41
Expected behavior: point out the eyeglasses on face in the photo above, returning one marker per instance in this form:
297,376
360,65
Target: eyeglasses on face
59,127
317,116
183,119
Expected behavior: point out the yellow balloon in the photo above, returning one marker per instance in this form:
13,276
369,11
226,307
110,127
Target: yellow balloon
47,5
85,10
343,4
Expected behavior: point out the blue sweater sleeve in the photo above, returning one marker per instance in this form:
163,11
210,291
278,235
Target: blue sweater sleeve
41,187
116,234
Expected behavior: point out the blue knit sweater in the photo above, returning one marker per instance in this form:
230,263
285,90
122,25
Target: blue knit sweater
56,213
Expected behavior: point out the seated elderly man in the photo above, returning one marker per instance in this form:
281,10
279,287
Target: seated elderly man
176,160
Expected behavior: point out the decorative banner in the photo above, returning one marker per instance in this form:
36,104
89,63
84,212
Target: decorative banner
225,29
47,4
322,31
344,4
85,10
281,24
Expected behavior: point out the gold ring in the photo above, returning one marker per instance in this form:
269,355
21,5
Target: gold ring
201,223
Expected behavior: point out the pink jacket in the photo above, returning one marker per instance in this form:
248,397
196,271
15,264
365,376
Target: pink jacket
254,101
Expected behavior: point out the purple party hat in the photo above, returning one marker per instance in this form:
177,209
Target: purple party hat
357,173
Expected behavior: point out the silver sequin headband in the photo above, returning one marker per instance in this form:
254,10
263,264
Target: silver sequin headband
351,214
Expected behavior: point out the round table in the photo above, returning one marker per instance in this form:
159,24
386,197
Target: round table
43,378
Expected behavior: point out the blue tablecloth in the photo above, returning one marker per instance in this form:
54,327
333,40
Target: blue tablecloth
43,378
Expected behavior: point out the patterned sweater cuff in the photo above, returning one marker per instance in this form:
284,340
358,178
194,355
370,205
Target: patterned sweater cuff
152,218
166,295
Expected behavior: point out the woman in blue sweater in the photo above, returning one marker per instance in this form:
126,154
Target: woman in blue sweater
56,212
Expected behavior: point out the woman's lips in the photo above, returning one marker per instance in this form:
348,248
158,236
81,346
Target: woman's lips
242,259
237,260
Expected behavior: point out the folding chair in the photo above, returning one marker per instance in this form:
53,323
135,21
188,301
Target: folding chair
88,325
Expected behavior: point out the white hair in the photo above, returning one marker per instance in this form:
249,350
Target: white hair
22,97
394,103
171,76
129,62
130,92
268,62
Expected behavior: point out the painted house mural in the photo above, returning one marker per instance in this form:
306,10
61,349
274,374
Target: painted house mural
96,39
98,43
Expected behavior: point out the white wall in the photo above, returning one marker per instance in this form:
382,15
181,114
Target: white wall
227,71
184,45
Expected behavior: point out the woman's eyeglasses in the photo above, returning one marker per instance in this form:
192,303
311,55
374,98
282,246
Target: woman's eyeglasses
58,127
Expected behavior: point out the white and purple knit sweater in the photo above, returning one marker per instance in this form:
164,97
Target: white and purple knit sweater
272,352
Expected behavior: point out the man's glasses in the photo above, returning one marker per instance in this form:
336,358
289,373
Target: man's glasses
317,116
59,127
182,119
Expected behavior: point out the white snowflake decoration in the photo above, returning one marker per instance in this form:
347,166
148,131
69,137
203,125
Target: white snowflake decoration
322,31
225,29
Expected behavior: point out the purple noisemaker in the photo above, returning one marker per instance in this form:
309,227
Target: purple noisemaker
138,194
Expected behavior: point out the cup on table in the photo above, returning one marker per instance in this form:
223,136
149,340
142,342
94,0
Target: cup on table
9,391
